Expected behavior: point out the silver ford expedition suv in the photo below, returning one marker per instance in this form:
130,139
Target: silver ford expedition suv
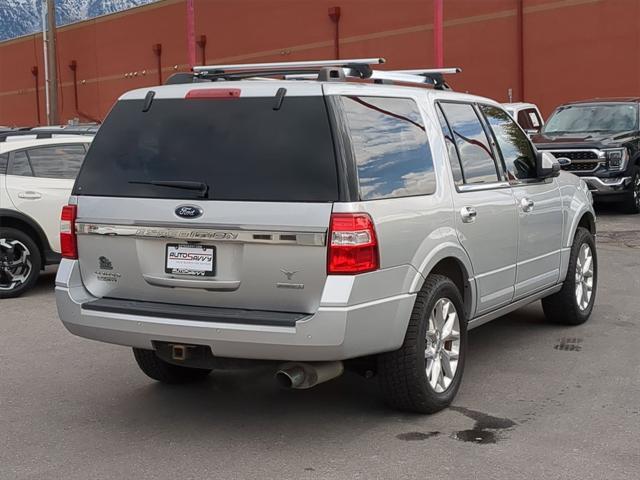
317,223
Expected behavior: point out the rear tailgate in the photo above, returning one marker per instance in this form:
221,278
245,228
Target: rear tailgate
257,263
255,240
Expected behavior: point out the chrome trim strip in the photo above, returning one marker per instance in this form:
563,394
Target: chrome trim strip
203,234
607,185
482,186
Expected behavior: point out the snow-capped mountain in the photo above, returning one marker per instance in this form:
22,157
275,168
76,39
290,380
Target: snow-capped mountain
21,17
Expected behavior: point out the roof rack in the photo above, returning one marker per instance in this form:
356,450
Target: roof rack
324,70
288,66
41,133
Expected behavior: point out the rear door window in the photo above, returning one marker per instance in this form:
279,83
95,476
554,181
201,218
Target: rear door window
59,161
241,148
474,150
4,160
390,146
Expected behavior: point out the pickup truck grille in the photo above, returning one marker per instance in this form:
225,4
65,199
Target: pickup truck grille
577,155
582,160
582,167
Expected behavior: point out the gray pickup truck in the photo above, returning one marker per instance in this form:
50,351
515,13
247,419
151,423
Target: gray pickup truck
313,223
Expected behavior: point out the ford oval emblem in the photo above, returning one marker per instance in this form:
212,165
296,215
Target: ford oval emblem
189,211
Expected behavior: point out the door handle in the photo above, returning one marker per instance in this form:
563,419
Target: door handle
468,214
31,195
527,205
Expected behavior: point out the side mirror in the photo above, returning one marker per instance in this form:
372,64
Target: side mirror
548,165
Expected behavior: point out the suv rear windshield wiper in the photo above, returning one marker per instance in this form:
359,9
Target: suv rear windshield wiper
201,187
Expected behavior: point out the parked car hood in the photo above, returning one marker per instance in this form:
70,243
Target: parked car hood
581,140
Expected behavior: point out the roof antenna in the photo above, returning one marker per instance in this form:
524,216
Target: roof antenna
148,100
279,98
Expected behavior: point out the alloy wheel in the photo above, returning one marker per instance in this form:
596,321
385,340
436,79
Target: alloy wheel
15,264
584,277
442,351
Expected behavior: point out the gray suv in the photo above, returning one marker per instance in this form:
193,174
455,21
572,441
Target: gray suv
312,223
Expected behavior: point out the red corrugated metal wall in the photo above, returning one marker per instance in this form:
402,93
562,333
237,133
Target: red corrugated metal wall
572,48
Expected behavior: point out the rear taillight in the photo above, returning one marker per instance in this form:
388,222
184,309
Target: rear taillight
353,246
68,243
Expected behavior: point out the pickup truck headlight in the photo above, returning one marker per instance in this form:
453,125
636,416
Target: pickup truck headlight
616,158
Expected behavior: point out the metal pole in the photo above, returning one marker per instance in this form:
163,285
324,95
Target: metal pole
46,62
52,64
521,49
191,34
438,33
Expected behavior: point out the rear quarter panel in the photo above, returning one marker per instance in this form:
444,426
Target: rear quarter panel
418,231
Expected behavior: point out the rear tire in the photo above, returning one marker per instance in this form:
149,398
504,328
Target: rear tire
564,307
407,374
164,372
20,262
631,202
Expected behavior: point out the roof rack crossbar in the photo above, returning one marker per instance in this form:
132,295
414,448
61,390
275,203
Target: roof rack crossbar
205,69
424,76
39,134
431,71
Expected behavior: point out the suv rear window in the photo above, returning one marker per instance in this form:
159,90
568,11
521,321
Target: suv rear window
241,148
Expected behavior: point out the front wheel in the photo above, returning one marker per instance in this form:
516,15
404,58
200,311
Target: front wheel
574,303
424,375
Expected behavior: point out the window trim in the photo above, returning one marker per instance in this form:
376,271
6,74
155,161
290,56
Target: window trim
473,187
352,162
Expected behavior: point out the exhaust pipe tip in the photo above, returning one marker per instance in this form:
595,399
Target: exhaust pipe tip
292,377
307,375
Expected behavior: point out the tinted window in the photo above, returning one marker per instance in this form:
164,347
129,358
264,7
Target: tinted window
241,148
390,145
454,160
4,159
513,143
476,156
20,165
62,161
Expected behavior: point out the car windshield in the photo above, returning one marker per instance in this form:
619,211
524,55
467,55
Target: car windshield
604,117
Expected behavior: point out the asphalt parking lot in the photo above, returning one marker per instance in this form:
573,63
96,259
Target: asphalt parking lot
538,401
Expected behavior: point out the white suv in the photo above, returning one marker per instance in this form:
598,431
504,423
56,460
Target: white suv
36,178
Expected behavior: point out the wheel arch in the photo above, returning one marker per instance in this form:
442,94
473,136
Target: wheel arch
585,219
24,223
453,263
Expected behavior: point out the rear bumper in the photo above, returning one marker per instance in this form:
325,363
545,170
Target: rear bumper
608,186
332,333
